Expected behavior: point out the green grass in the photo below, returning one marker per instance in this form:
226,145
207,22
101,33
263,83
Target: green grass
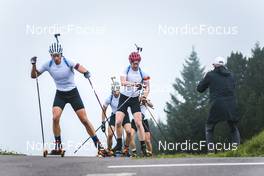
5,152
251,148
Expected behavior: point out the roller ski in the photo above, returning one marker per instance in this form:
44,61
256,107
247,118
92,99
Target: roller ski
118,151
145,152
134,153
58,151
149,153
126,152
110,153
101,151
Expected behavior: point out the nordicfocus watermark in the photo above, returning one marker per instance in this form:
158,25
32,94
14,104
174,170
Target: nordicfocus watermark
68,145
189,146
201,29
32,29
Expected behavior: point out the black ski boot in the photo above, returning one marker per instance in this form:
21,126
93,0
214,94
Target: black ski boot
101,151
58,148
126,152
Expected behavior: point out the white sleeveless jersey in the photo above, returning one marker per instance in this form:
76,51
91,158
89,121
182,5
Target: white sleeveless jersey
113,102
134,77
62,74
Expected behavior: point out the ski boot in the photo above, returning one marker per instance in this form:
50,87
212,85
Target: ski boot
144,152
134,153
126,152
117,151
101,151
149,153
58,149
110,152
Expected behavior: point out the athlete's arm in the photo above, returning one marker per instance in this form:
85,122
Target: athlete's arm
124,82
80,68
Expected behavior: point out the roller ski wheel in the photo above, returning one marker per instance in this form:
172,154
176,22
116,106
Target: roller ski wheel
62,153
59,152
149,154
45,153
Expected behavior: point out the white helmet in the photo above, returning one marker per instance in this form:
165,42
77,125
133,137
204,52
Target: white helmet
115,86
55,48
219,61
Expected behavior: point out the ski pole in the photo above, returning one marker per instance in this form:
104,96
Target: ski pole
101,106
156,141
101,125
156,122
89,137
40,113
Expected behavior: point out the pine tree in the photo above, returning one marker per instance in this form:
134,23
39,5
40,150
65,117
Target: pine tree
252,93
187,110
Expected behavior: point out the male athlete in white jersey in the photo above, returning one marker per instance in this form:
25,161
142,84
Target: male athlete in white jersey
113,100
132,79
61,70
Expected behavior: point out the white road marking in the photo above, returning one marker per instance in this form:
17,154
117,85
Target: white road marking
113,174
187,165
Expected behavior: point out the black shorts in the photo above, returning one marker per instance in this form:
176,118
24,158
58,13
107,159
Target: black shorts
132,102
72,97
144,122
113,119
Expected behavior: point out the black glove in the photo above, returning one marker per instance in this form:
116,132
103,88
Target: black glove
139,86
33,60
144,100
87,75
103,127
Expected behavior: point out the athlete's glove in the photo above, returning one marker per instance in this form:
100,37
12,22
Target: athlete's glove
139,86
103,127
144,100
87,75
33,60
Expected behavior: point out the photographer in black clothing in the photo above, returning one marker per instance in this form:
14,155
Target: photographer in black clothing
221,84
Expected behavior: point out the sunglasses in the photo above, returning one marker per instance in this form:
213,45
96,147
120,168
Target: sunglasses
135,63
55,55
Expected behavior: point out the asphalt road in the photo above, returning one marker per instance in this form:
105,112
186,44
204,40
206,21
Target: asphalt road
91,166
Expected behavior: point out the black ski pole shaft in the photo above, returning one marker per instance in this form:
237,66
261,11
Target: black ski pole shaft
101,105
156,122
156,141
40,114
85,141
89,137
